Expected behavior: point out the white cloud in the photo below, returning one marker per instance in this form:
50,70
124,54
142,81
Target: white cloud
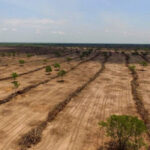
30,22
14,29
58,32
4,29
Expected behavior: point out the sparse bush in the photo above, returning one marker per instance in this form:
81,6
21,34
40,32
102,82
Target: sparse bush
125,132
3,54
57,66
48,69
57,54
144,63
14,75
135,53
21,62
9,54
14,54
16,84
45,60
29,55
68,59
132,68
61,73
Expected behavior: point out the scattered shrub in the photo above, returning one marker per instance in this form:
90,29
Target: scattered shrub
9,54
125,132
14,75
57,66
61,73
29,55
132,68
57,54
3,54
45,60
144,63
14,54
21,62
68,59
48,69
16,84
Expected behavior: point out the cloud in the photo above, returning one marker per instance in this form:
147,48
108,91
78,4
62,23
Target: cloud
30,22
4,29
58,32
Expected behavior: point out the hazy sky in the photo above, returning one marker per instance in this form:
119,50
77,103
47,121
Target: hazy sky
94,21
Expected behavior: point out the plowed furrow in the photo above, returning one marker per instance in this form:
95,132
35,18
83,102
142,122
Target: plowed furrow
76,127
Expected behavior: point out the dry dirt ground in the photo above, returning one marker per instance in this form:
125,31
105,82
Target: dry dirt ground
75,127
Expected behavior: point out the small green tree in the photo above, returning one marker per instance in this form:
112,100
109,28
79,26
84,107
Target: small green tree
125,132
57,66
21,62
16,84
14,75
132,68
144,63
48,69
29,55
61,73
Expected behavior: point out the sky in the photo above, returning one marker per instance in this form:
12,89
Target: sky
75,21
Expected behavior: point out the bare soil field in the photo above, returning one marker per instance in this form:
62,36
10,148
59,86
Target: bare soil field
48,112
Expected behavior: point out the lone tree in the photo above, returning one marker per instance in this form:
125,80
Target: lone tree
14,75
61,73
57,66
125,132
48,69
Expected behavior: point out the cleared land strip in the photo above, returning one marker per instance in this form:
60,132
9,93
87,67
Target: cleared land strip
23,70
137,96
76,127
34,136
37,77
30,110
28,86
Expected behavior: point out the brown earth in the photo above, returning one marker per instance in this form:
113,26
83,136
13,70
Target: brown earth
75,127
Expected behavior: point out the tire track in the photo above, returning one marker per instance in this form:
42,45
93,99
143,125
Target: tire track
76,129
28,88
30,109
34,136
137,97
31,71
